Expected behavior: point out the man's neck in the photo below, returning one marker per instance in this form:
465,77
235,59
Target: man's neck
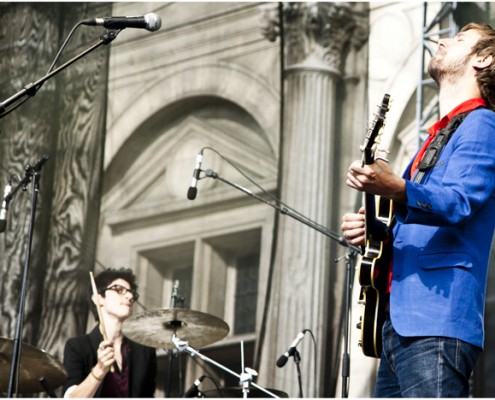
452,94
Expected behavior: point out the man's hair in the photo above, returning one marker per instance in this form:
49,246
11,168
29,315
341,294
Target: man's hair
485,47
105,278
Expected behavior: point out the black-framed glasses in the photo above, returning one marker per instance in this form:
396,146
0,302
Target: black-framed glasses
123,291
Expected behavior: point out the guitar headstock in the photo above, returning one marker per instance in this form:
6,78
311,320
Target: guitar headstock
375,130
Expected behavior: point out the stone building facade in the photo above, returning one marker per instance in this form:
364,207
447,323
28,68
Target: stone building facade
277,98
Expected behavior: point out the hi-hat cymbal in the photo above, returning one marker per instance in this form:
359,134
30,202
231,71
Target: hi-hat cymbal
155,328
237,392
34,364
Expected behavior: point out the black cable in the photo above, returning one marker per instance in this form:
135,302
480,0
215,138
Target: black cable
315,365
34,90
286,209
64,44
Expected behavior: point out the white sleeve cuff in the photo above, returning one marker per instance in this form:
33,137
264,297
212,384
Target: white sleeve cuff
69,391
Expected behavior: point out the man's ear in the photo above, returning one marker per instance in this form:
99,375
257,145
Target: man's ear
482,62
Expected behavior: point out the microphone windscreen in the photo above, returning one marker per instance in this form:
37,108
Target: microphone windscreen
192,192
282,360
154,21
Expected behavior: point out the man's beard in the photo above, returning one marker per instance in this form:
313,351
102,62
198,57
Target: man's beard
440,72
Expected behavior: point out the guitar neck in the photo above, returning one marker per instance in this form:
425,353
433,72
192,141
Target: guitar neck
375,229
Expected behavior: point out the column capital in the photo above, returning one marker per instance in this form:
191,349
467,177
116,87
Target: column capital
316,34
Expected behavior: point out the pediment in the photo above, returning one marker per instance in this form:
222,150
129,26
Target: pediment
161,173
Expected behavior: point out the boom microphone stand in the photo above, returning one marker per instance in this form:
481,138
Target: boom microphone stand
297,361
286,211
351,252
173,301
32,88
32,174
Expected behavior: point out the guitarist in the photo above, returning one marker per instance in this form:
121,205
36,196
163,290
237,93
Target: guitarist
444,219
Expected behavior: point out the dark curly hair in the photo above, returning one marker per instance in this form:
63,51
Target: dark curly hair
103,279
485,47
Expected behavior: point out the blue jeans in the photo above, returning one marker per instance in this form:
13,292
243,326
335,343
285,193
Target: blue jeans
424,366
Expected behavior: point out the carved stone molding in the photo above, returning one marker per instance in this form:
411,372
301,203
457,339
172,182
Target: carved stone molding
316,34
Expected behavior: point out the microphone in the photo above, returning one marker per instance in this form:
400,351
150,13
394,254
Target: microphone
282,360
193,190
5,207
150,22
193,390
173,299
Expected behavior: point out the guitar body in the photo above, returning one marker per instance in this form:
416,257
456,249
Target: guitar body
374,268
373,276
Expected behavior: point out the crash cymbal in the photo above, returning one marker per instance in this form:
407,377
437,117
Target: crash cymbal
237,392
155,328
34,364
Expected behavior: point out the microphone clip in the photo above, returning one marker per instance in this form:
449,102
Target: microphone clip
109,36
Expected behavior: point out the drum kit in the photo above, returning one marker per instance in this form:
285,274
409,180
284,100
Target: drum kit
183,329
168,328
156,328
38,371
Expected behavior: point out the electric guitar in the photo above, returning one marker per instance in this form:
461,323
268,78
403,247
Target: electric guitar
373,275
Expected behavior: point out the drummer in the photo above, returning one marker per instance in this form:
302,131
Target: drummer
89,359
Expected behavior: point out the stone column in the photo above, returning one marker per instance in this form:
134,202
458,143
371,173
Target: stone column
303,295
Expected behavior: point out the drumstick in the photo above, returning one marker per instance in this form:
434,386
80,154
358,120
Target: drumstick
98,310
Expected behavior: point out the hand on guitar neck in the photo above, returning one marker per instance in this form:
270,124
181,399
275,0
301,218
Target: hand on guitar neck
372,174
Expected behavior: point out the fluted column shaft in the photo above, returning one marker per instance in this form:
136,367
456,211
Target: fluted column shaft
303,254
316,35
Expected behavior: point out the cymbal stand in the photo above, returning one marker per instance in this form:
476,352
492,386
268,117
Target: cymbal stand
173,301
48,388
245,377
